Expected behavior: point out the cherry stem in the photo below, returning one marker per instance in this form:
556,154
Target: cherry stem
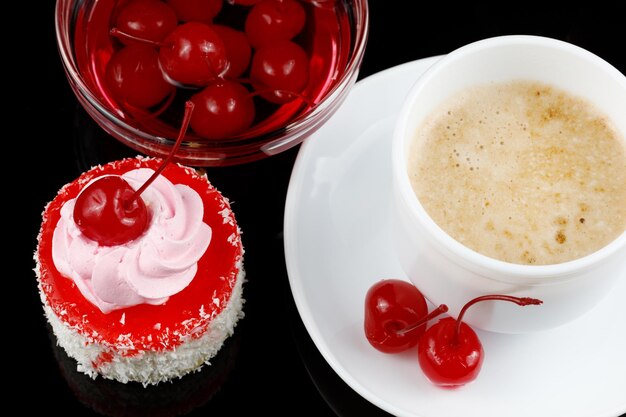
116,33
179,140
439,310
522,301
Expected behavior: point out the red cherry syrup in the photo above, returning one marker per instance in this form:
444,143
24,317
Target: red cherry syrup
325,38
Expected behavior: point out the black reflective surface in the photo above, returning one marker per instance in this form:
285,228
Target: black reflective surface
271,366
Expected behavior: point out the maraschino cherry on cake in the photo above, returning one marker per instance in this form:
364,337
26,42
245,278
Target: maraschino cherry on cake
150,307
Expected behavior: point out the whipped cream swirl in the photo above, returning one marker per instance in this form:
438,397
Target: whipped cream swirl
147,270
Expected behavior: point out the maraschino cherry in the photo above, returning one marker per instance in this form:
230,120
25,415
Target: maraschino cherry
223,109
395,315
450,353
274,20
280,71
110,212
152,20
134,77
238,50
191,55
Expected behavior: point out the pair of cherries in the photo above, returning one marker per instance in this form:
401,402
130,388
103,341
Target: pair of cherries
449,352
160,55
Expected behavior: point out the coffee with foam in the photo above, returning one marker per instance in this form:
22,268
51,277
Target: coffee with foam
522,172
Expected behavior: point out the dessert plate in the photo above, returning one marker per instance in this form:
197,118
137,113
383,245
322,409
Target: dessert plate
337,245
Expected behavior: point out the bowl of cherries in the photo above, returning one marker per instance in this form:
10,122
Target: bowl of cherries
262,75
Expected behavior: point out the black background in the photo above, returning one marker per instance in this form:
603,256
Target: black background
271,366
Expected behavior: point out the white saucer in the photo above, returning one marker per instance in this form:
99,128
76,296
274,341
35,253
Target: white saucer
337,245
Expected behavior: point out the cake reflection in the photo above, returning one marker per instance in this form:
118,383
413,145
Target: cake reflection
169,399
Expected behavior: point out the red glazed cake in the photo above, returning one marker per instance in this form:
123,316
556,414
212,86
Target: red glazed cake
159,306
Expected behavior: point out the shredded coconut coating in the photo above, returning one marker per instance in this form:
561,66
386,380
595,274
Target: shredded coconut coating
150,367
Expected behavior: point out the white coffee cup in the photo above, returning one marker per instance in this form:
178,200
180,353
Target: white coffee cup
450,273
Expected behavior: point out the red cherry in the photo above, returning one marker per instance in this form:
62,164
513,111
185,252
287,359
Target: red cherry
281,67
134,77
223,109
196,10
147,19
446,362
110,212
395,315
107,212
450,353
193,54
272,20
238,50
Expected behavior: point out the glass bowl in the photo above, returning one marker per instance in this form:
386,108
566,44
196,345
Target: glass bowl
334,36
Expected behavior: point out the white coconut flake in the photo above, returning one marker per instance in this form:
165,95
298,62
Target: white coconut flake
123,319
151,367
226,216
202,313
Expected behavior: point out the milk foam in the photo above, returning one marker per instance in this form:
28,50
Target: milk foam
522,172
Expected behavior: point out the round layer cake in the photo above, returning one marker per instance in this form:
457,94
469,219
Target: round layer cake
159,306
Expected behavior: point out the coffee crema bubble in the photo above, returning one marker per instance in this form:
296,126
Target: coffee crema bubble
522,171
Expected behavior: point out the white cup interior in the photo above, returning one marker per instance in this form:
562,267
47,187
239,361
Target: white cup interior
495,60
